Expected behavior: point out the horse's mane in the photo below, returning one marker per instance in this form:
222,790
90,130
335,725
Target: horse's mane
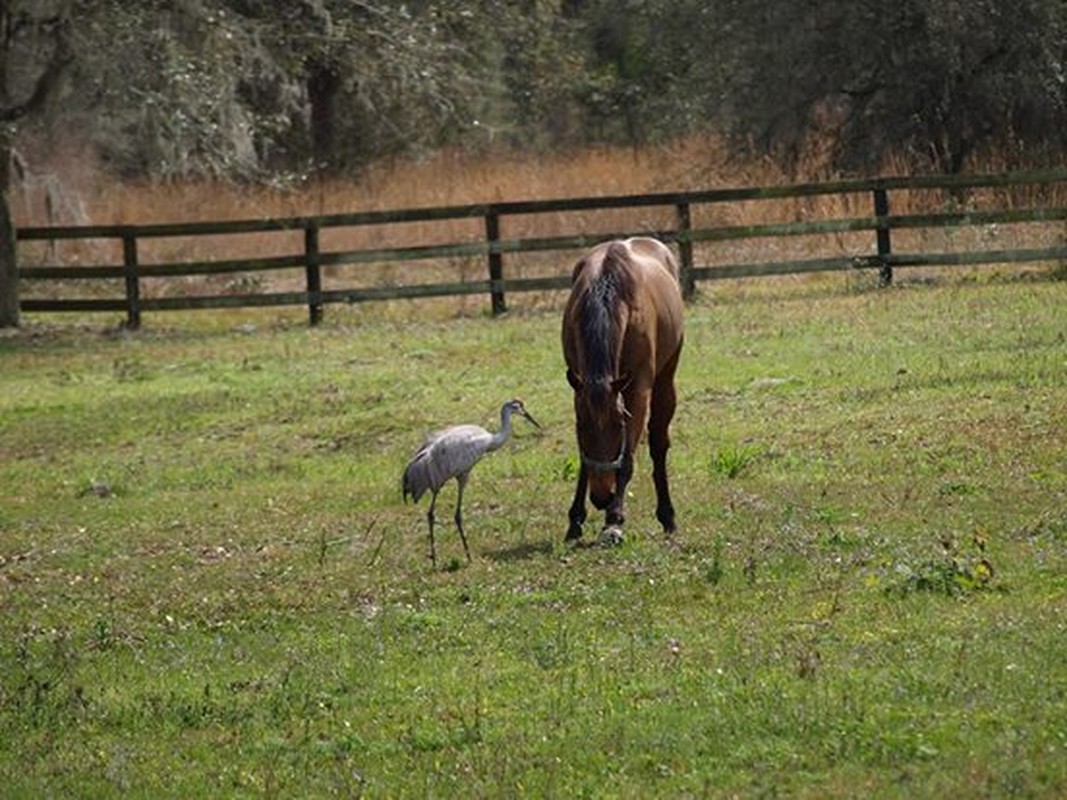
600,317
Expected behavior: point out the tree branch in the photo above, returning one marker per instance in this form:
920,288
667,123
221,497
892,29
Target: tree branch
46,81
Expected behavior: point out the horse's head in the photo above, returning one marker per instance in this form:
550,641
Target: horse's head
601,418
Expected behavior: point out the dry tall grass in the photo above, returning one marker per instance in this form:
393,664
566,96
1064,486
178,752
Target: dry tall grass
67,187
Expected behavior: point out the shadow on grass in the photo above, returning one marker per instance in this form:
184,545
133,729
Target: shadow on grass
521,552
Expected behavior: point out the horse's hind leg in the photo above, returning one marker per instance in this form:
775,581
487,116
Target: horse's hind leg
577,510
664,401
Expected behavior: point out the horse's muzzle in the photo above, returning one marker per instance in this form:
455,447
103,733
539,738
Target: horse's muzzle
601,502
601,489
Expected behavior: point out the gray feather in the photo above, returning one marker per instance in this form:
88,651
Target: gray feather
444,455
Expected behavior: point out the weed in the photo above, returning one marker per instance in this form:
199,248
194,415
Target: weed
568,471
957,571
245,284
104,637
35,683
730,461
714,569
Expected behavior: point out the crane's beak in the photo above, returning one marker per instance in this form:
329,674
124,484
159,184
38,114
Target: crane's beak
533,422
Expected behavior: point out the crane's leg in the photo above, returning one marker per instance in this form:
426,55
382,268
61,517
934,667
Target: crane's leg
462,480
429,518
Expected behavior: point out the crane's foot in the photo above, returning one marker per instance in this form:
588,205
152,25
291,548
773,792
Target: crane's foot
433,549
463,537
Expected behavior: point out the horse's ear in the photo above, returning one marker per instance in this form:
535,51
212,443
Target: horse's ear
620,383
574,380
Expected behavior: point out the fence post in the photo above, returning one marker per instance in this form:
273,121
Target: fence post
313,272
496,262
685,250
881,211
133,284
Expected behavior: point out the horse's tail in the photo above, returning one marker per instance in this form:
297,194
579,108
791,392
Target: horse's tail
615,256
616,250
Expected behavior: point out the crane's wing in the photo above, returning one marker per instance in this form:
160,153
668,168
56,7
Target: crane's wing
444,455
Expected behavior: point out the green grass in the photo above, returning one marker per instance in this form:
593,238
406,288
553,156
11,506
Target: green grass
209,584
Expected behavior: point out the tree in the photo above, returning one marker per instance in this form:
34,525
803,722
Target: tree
250,88
934,79
34,50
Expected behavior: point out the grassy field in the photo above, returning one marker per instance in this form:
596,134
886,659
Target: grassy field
209,584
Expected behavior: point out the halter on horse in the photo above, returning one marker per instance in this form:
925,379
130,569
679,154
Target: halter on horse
622,336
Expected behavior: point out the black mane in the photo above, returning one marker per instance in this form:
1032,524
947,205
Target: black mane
599,317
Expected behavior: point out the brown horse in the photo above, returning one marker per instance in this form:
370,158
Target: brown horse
622,336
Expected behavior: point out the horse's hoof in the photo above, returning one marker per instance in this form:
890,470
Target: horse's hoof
611,536
574,533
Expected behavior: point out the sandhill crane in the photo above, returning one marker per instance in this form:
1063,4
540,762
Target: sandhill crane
452,453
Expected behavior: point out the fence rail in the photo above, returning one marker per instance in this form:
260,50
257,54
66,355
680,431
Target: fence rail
493,247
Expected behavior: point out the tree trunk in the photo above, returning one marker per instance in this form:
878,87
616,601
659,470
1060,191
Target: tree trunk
51,29
323,84
9,273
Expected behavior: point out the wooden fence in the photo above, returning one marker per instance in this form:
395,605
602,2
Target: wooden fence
877,254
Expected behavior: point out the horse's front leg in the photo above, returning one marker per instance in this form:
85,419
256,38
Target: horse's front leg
637,402
658,446
615,513
577,510
664,401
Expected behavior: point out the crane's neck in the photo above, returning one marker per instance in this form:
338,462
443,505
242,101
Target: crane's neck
504,433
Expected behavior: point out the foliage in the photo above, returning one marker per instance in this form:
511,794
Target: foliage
237,87
253,89
210,586
937,80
